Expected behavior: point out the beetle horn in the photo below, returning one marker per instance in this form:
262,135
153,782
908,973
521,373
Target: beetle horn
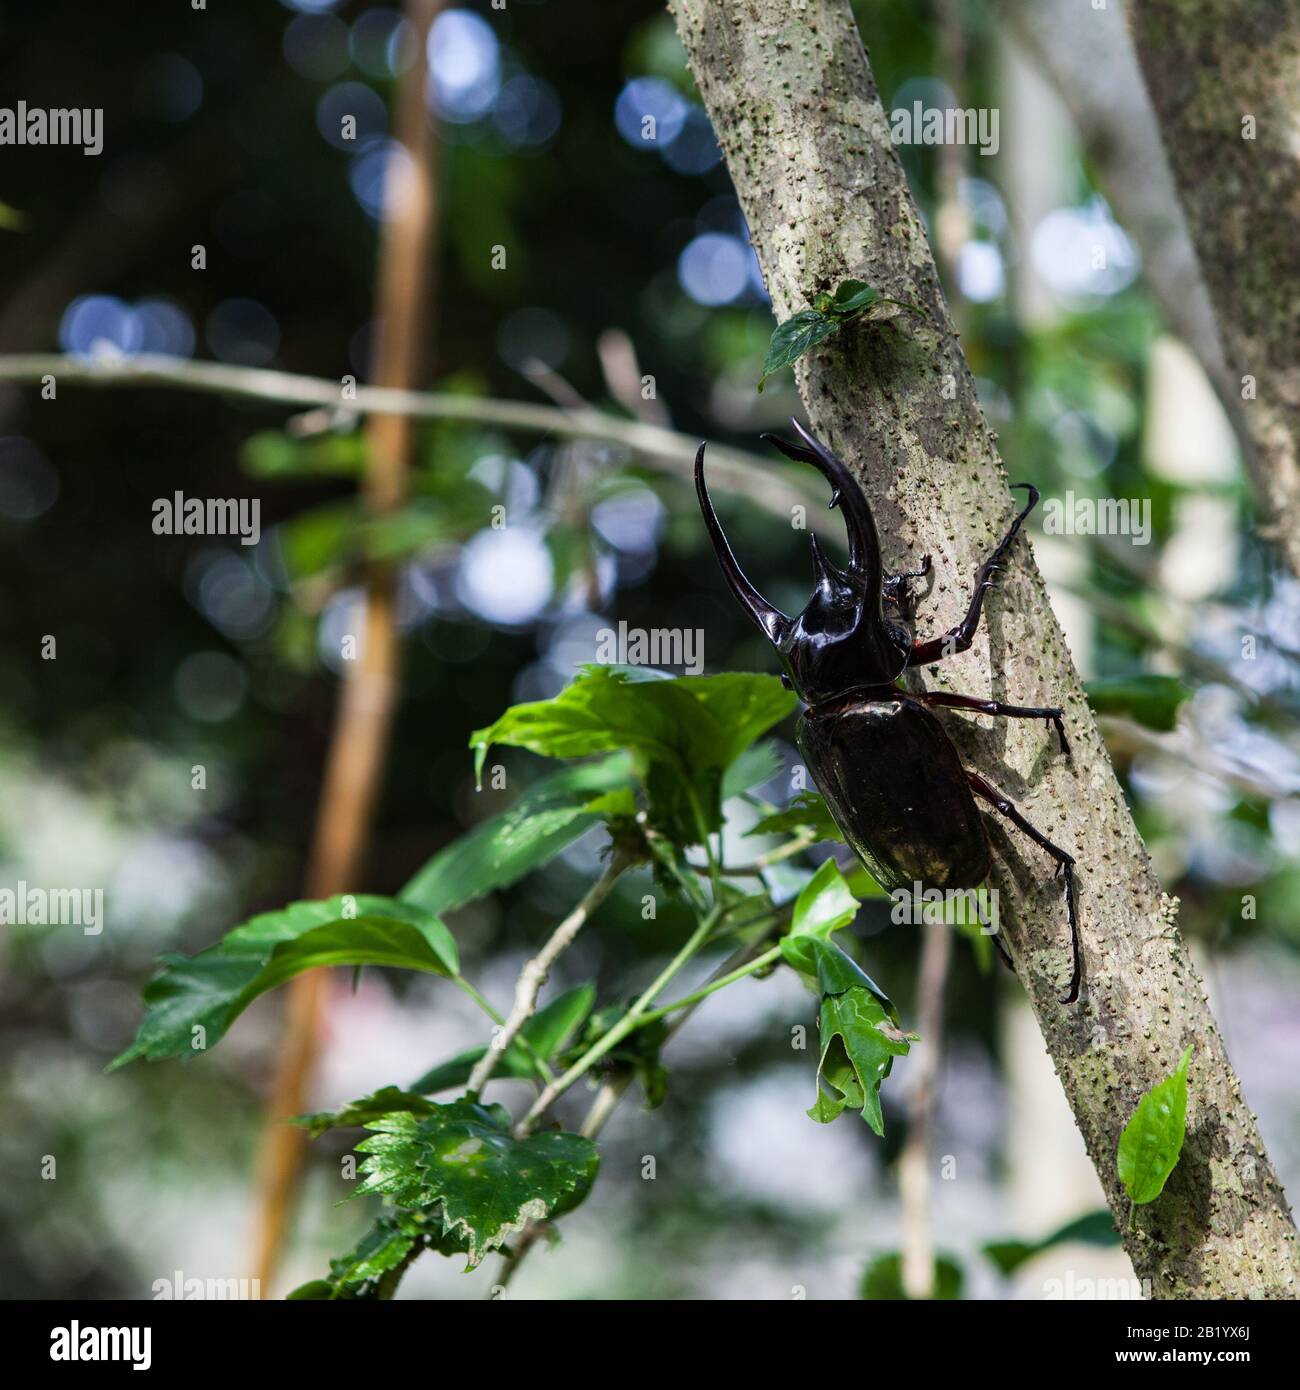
864,545
771,620
825,573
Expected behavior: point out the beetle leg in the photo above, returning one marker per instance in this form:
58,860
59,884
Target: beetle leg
897,590
959,638
1064,863
977,706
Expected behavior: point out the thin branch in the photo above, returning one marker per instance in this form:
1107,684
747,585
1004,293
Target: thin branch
627,1024
614,1089
534,974
760,479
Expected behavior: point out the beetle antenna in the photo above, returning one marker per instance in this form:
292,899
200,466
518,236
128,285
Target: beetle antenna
770,619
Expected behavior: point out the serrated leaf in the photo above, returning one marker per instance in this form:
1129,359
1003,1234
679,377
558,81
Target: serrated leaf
794,337
355,1113
1093,1228
547,1032
209,991
386,1247
1152,1140
683,733
549,816
807,815
1152,701
485,1184
823,907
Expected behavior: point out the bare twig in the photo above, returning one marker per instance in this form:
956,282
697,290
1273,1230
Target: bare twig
762,480
606,1102
534,974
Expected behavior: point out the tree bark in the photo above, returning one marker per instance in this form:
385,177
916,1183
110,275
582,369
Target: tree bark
796,111
1224,77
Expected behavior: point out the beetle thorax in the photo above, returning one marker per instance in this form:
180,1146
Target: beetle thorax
841,641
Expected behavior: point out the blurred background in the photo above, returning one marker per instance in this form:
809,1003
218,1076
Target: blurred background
626,259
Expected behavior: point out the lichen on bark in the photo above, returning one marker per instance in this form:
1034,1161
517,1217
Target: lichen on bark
795,108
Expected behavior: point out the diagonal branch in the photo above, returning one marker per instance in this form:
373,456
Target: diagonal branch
534,974
796,110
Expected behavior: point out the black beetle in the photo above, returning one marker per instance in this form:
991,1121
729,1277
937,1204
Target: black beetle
887,771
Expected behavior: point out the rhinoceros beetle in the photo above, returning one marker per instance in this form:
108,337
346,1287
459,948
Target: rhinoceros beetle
889,775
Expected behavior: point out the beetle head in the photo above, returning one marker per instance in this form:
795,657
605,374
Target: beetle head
841,641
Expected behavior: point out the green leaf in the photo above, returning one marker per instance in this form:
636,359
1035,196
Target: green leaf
807,815
613,806
851,297
191,1004
1149,700
272,454
385,1248
759,763
547,1032
462,1165
793,338
859,1037
1153,1138
637,1053
859,1043
683,732
823,906
360,1112
551,1028
1093,1228
883,1279
550,815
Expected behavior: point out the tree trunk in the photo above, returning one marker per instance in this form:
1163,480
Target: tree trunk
1224,77
797,114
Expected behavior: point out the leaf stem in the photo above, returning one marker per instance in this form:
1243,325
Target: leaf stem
630,1021
767,958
